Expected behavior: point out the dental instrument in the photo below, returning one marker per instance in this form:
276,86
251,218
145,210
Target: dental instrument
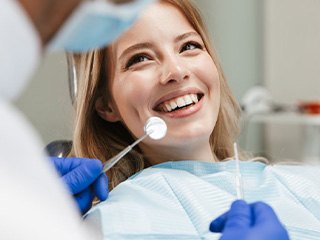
154,127
239,183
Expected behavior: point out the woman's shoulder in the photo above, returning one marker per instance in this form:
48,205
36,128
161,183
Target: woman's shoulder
139,204
311,172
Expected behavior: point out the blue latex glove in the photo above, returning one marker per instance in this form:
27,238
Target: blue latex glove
83,178
249,222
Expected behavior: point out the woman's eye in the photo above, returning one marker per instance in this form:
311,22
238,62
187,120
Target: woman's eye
136,59
190,46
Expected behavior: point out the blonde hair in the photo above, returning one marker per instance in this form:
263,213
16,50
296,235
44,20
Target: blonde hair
97,138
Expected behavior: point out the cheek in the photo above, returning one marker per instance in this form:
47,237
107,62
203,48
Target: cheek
132,90
214,77
207,72
214,83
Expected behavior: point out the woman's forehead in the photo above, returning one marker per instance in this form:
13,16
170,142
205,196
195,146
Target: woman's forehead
159,20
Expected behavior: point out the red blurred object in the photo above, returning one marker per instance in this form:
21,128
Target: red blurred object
310,107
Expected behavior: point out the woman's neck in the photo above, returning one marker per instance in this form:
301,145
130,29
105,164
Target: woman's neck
201,152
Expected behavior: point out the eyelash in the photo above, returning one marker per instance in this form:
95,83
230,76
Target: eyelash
195,44
138,58
135,59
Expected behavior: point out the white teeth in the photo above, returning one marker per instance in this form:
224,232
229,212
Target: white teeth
179,102
194,98
173,105
168,107
187,99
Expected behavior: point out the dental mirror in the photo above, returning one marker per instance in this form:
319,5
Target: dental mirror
154,127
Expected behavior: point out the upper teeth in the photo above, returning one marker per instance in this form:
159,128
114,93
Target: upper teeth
182,101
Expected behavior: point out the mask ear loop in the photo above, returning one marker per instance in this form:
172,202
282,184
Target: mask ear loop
72,77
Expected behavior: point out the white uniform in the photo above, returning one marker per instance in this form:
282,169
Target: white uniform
33,203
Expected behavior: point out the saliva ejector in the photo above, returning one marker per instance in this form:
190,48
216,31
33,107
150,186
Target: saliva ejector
238,177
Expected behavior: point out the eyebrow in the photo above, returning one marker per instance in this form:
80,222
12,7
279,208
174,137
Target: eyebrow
186,35
135,47
148,45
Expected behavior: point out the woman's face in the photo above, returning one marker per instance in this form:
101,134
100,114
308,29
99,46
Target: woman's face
163,69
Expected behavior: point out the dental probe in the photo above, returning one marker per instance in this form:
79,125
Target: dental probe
239,183
154,127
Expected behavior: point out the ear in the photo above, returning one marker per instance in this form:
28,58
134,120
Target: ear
107,112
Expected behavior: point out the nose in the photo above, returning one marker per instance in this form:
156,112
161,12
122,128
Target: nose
174,70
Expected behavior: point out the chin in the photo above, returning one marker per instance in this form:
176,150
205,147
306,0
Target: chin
191,137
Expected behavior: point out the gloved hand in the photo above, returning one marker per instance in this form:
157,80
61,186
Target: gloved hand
83,178
249,222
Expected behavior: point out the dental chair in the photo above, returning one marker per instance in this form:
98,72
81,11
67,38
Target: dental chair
61,148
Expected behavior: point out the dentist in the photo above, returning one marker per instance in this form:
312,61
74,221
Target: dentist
34,204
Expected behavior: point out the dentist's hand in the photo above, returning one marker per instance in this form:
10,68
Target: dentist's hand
256,221
83,178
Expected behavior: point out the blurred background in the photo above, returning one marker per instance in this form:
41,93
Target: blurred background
270,52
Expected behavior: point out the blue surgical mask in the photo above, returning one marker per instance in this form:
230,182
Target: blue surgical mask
94,24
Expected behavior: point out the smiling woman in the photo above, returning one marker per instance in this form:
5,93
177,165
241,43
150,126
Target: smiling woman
162,69
164,66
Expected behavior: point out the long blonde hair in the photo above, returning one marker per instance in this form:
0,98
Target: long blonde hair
97,138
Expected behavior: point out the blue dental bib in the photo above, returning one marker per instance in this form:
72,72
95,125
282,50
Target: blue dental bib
178,200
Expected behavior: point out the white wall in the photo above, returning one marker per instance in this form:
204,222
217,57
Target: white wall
291,65
46,101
